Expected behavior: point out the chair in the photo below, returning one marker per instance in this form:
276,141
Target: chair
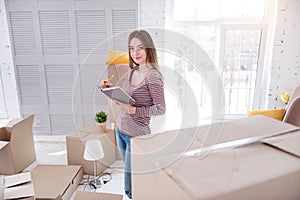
294,95
93,151
292,113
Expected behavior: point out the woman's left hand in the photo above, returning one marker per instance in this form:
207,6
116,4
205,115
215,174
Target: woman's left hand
126,107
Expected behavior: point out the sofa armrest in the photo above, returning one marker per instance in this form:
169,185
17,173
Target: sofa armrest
273,113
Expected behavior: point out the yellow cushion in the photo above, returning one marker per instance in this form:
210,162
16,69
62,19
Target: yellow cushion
274,113
117,57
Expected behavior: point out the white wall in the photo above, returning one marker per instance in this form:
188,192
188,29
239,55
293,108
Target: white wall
7,71
285,69
152,14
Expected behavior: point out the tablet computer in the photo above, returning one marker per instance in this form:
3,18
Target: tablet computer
117,93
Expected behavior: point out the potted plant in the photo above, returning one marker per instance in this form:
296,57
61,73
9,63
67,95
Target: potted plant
100,119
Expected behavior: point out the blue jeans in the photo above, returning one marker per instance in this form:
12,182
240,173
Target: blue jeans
123,141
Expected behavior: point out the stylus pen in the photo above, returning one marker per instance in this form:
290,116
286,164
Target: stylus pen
109,79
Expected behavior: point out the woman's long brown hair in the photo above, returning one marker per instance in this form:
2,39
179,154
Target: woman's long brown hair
148,44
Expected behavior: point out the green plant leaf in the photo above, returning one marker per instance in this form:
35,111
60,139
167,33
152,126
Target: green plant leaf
100,117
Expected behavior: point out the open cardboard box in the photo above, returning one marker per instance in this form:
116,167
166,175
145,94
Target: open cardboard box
17,186
55,182
75,148
82,195
268,169
16,146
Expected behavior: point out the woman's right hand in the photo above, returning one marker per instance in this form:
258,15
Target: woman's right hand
105,84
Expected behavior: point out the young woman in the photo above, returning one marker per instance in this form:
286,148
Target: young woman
144,83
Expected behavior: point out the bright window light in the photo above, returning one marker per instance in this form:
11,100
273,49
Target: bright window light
201,10
233,34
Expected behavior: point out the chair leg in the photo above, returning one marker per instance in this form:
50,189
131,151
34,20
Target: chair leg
95,169
97,183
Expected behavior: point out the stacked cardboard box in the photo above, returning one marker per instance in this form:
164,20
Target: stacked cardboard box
44,181
254,158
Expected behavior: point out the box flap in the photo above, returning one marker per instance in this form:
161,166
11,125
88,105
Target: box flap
79,134
12,122
88,129
51,181
24,190
289,143
18,186
216,133
17,179
22,127
23,151
81,195
162,148
3,144
262,125
84,132
256,126
88,132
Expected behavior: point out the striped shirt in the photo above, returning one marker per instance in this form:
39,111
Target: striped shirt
149,101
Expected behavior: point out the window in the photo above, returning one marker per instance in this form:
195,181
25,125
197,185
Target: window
233,33
239,68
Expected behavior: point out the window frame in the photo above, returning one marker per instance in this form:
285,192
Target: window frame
222,25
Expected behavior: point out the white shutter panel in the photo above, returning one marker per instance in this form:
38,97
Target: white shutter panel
89,78
91,97
92,35
122,22
59,84
39,127
61,123
54,39
22,31
55,32
91,31
29,84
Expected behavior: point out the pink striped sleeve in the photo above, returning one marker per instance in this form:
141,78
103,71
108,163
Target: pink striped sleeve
156,90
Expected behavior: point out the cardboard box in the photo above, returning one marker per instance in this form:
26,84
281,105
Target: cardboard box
54,182
16,146
75,149
81,195
1,187
269,169
119,73
18,186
